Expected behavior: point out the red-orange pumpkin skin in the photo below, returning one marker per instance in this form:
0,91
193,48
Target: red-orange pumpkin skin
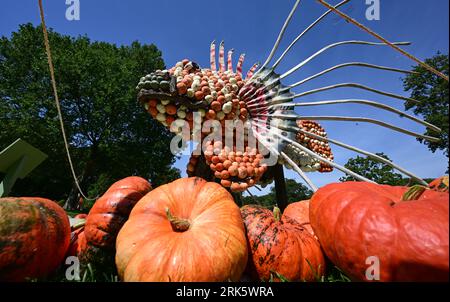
281,247
203,241
299,211
34,237
81,216
110,211
439,184
78,243
356,220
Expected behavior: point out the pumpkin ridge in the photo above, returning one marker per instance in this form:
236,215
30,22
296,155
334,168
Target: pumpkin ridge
336,222
180,256
136,256
410,238
39,241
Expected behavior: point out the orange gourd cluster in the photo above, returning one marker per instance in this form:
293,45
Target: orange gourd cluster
237,170
320,147
218,89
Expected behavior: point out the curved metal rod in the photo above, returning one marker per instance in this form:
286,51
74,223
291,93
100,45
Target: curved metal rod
359,86
355,149
354,85
299,171
352,119
301,64
365,102
360,64
305,31
316,156
281,34
256,101
290,161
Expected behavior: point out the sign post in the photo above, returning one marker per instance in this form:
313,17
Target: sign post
17,161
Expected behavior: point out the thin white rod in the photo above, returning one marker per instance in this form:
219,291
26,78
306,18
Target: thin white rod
281,34
355,149
360,64
301,64
352,119
292,163
305,31
316,156
353,85
299,171
359,86
364,102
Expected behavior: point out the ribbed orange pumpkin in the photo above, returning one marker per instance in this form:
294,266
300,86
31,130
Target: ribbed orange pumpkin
439,184
78,243
188,230
111,211
34,237
280,247
357,220
299,211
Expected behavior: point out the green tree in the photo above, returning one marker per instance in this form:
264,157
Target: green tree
295,192
111,136
432,92
373,170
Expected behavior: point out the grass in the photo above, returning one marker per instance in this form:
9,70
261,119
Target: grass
335,275
92,274
74,213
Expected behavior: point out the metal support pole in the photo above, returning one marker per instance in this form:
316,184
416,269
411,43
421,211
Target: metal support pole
280,187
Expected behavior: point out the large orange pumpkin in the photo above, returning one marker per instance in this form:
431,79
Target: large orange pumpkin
34,237
280,247
111,211
357,221
299,211
188,230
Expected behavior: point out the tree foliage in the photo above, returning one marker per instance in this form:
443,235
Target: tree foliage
433,94
295,192
110,135
374,170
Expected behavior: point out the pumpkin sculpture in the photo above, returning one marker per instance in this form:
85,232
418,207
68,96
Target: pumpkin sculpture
34,237
111,211
407,231
280,247
188,230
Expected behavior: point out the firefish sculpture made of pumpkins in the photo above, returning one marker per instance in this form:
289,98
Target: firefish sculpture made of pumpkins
259,112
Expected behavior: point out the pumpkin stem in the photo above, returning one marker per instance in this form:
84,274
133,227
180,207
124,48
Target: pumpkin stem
277,213
178,224
414,192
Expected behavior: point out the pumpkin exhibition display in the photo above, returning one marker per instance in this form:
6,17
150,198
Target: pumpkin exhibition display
405,229
299,211
34,237
215,104
187,230
246,127
94,242
111,211
281,246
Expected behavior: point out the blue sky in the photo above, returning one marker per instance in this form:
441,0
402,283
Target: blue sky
186,28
